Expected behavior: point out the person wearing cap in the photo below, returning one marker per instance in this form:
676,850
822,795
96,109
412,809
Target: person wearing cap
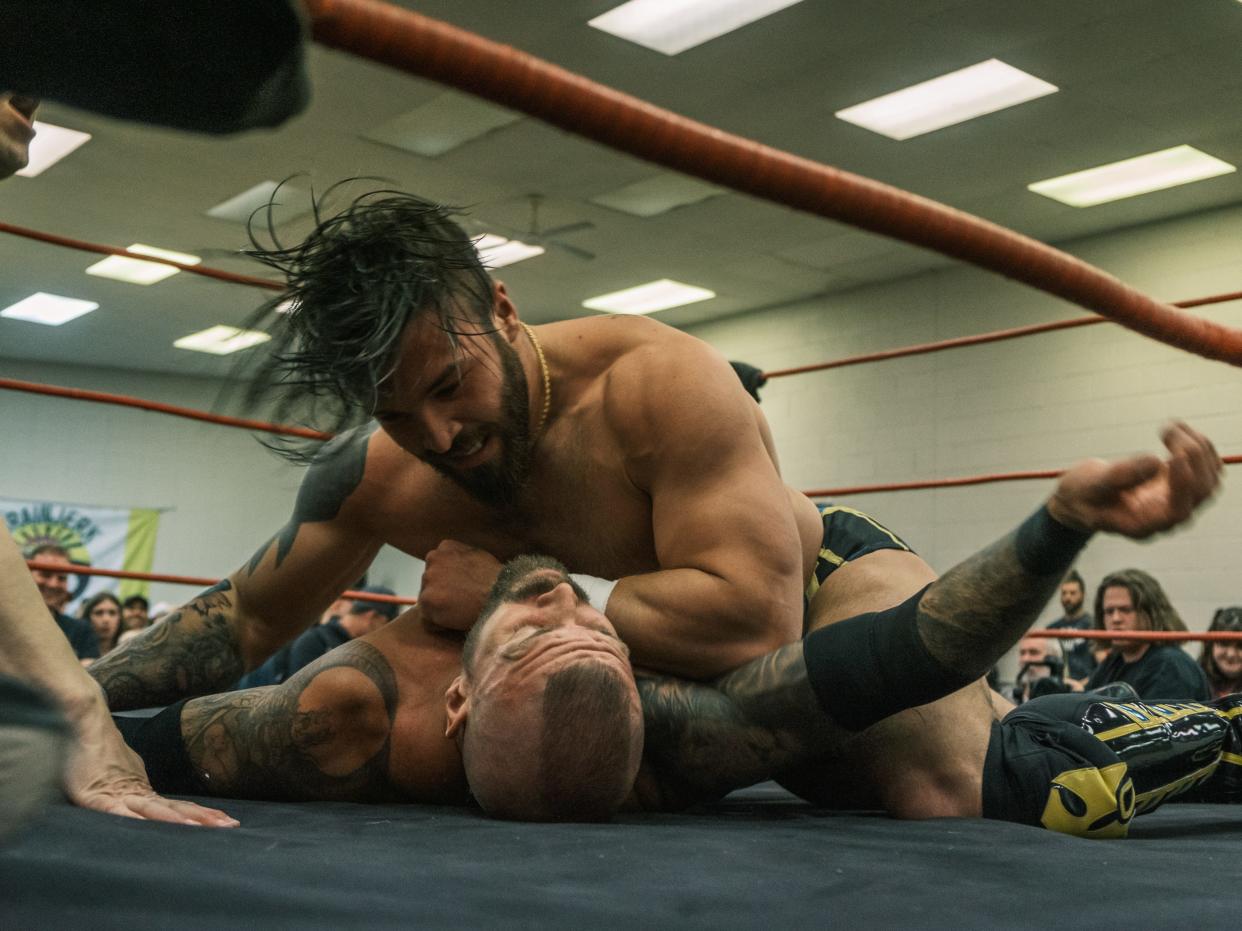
362,617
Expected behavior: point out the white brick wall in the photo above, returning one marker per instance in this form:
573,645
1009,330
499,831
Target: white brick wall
1035,403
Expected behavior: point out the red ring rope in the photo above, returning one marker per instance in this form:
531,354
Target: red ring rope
84,246
978,339
75,569
121,400
954,482
1152,636
425,47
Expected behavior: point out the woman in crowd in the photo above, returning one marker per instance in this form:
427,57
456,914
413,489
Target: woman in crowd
104,613
1222,662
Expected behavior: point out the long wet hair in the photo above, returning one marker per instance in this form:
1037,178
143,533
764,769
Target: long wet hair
1146,594
354,284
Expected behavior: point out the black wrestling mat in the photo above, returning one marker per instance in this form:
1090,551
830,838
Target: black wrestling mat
758,860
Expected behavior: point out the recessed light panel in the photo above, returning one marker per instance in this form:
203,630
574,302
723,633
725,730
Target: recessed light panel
1133,176
951,98
50,144
442,124
658,194
650,297
497,252
136,271
48,309
221,340
672,26
291,203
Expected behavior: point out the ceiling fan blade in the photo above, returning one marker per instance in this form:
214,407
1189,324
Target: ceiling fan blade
571,249
568,228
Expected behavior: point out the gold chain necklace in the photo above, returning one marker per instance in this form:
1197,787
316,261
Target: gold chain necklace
547,379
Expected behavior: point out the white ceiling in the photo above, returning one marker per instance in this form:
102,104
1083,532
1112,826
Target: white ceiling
1135,76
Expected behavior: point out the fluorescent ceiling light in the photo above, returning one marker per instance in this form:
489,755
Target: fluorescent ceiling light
136,271
672,26
1132,176
291,202
442,124
51,144
650,297
497,252
658,194
951,98
221,340
49,309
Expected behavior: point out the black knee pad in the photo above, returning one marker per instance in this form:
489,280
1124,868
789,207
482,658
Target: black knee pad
872,666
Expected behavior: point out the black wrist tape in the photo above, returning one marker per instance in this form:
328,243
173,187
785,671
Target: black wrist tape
1045,546
874,665
158,741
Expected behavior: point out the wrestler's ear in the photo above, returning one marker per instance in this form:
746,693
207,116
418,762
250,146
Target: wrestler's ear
504,313
456,706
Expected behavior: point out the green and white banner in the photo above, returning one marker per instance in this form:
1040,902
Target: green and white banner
106,538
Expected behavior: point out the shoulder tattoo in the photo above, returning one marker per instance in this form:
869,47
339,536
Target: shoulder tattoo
296,741
334,475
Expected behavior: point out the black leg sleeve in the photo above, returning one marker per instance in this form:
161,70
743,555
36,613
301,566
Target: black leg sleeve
872,666
158,741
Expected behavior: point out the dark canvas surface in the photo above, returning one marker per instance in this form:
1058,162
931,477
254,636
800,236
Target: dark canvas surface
758,860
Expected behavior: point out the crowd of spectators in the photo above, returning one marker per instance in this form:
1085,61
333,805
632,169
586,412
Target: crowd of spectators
1126,600
1129,600
101,623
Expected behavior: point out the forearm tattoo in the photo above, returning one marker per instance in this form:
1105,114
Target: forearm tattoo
189,652
703,741
978,609
334,475
282,743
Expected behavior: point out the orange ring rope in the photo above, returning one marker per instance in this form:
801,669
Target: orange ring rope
957,342
121,400
85,246
978,339
1152,636
954,482
431,49
75,569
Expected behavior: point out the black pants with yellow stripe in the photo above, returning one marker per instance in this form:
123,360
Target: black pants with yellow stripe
1086,765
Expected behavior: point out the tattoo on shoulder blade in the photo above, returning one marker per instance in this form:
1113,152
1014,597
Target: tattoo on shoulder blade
334,475
300,740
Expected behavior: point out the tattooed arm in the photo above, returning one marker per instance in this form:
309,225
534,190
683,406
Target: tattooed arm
208,643
776,711
703,741
322,735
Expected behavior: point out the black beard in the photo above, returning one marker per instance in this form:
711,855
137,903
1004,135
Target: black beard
499,483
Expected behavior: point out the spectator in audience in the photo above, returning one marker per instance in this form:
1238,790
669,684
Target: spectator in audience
53,585
362,617
1222,662
1132,600
1041,669
103,613
135,613
1079,659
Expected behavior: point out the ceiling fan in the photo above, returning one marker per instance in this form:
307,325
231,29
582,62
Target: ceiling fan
535,235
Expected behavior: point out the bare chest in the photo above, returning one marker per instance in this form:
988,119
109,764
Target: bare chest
580,507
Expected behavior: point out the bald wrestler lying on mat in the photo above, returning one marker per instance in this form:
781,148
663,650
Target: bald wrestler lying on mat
545,715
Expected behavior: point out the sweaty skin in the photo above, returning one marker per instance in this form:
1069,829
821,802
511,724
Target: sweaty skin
655,468
368,720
